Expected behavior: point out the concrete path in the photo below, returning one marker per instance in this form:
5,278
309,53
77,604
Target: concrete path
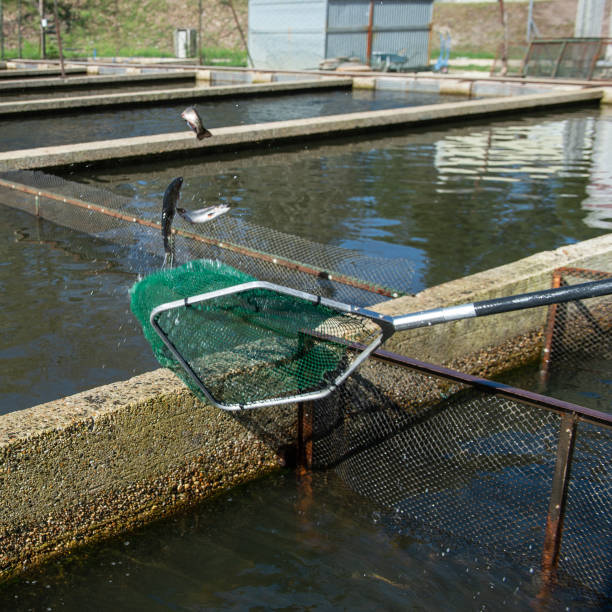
278,132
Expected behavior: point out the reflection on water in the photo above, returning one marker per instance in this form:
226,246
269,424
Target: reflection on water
40,131
65,314
274,545
451,201
461,200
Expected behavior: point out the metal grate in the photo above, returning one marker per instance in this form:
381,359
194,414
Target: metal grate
519,479
569,58
264,253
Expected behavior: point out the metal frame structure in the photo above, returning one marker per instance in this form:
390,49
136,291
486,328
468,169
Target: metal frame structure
388,325
590,50
571,416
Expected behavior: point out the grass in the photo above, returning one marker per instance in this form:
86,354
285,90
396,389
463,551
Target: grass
229,57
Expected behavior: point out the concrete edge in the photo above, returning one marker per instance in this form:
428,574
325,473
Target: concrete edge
107,460
166,95
279,131
121,79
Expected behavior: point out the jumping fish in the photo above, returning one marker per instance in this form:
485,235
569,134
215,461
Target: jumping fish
203,214
169,208
194,121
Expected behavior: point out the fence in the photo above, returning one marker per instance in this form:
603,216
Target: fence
522,478
569,58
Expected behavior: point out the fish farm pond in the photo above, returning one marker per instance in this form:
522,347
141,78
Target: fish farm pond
160,118
441,202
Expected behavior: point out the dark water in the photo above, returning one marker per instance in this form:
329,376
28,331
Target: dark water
453,201
99,89
65,314
450,202
277,545
39,131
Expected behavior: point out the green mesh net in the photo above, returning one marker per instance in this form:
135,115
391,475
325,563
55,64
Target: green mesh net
253,346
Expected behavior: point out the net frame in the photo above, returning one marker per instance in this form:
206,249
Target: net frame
360,350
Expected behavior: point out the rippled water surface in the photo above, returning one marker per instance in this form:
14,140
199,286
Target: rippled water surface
445,202
452,200
449,201
65,314
41,131
277,545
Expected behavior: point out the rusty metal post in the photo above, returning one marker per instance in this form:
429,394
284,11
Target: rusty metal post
304,459
368,58
304,451
559,59
558,499
548,338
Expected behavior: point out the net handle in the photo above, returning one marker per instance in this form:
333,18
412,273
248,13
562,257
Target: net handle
503,304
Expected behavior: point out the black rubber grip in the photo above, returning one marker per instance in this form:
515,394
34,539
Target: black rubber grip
543,298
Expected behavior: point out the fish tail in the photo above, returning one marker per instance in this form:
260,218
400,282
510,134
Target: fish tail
204,133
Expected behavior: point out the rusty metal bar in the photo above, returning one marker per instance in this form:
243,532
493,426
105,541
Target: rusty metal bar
368,57
304,451
548,336
489,386
558,499
280,261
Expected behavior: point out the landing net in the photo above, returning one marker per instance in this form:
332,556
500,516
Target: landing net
254,346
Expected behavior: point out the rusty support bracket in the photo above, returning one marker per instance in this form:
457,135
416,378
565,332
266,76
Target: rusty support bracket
558,499
548,338
304,451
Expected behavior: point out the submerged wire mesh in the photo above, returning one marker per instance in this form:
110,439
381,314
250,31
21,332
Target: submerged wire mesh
579,345
252,346
473,467
472,470
342,274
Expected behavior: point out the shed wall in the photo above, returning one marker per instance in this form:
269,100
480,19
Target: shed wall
287,34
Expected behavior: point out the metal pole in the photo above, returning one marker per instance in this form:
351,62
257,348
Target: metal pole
529,20
558,499
59,39
200,56
1,32
41,15
19,27
304,451
244,42
504,54
548,338
368,57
